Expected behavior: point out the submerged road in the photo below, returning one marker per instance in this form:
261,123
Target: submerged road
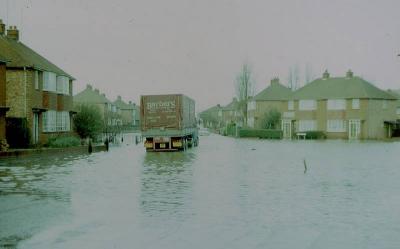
226,193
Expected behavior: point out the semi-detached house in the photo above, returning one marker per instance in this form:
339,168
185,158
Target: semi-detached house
341,107
36,89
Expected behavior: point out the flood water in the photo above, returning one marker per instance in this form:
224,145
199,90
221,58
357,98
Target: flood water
226,193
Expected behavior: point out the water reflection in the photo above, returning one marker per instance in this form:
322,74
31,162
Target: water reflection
34,175
166,183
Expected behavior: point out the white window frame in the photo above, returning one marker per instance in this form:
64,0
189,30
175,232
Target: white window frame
336,104
336,125
63,85
384,104
49,81
290,105
307,104
398,110
307,125
355,104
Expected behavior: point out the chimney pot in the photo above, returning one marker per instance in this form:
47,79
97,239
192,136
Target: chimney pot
349,74
97,90
275,81
119,97
13,33
88,86
325,75
2,27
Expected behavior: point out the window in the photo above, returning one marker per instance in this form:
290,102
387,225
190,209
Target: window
307,125
384,104
251,106
250,122
336,125
63,85
398,111
355,104
291,105
54,121
49,81
50,121
307,105
219,113
336,104
37,80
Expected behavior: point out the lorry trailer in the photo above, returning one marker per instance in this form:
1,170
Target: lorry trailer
168,122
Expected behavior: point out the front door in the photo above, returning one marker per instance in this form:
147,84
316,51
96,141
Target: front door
354,128
35,128
287,128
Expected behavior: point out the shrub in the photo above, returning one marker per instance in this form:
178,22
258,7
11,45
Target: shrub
272,119
17,132
63,142
315,135
261,133
88,121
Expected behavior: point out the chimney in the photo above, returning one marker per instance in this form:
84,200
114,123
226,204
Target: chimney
2,27
88,86
275,81
349,74
325,75
13,33
97,91
103,94
119,97
234,99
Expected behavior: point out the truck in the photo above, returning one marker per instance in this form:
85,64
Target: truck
168,122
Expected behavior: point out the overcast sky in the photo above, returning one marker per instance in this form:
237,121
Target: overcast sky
130,48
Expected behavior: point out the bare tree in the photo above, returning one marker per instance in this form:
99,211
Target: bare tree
244,87
293,78
308,74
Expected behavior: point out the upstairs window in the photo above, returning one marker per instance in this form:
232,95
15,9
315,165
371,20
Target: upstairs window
384,104
251,106
398,111
306,105
49,81
336,104
355,104
63,85
290,105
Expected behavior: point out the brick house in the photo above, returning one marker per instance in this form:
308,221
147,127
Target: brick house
274,97
111,114
231,113
342,107
127,113
212,117
37,90
3,107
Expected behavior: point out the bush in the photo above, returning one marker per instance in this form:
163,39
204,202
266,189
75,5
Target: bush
63,142
261,133
88,121
18,134
315,135
230,129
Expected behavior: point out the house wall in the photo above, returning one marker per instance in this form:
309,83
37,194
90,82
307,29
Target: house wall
2,100
22,97
262,107
371,114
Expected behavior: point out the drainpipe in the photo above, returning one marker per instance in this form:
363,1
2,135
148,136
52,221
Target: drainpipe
25,78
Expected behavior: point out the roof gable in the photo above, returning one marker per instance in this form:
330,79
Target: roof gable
91,96
20,55
275,91
341,88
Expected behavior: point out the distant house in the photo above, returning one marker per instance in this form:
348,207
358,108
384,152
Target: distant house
275,97
212,117
396,93
231,113
129,114
342,107
135,114
38,93
111,114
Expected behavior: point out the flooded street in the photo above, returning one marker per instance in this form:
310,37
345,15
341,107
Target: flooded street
226,193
